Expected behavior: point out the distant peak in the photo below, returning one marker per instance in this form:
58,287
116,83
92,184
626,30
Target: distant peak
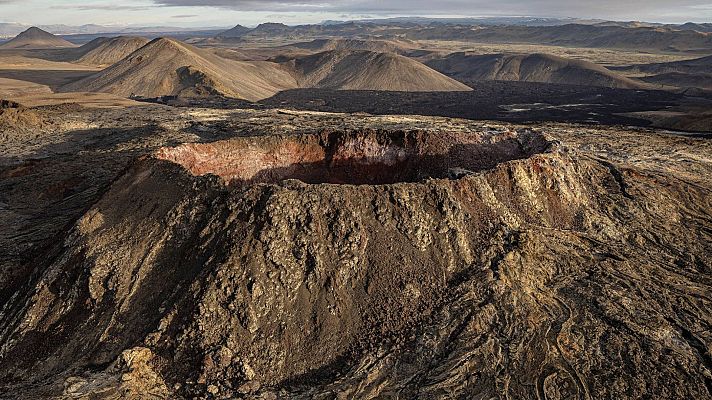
272,25
35,31
35,37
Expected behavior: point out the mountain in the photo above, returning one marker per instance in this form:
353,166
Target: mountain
36,38
169,67
529,68
270,29
106,51
234,32
368,70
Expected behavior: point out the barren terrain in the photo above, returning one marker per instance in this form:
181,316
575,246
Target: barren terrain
314,212
549,254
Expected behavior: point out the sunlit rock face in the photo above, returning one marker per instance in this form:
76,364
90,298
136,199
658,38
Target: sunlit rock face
355,157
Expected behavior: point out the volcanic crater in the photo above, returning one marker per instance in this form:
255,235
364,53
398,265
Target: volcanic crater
354,157
195,274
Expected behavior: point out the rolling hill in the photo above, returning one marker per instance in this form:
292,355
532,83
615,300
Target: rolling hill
367,70
529,68
169,67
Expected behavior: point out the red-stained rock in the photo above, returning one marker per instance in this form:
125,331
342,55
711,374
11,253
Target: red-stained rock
368,157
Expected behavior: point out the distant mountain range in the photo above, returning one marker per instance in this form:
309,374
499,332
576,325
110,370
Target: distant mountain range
598,35
522,21
8,30
526,21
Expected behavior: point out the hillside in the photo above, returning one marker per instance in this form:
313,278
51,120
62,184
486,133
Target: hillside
169,67
367,70
106,51
36,38
529,68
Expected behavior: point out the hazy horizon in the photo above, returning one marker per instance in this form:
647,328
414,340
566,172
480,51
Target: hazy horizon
224,13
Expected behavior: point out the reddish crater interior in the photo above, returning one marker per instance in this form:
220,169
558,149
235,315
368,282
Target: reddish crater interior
370,157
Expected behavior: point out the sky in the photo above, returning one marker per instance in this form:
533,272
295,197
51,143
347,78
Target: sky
214,13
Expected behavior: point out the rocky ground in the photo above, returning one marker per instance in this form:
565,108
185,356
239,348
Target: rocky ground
154,252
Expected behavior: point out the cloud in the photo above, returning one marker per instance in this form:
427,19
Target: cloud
600,8
103,7
303,11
